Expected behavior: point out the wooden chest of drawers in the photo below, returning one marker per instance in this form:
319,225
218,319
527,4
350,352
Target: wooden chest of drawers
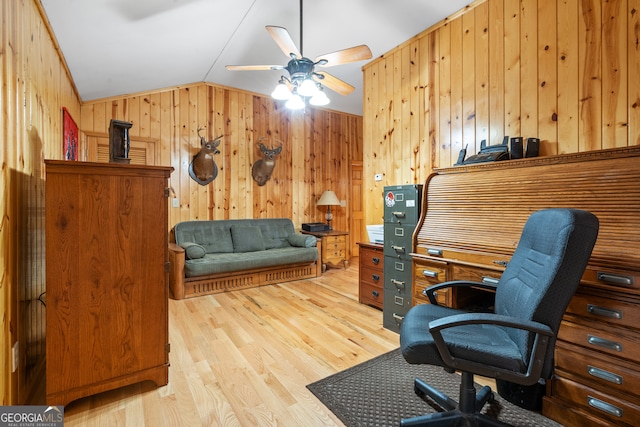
371,274
334,247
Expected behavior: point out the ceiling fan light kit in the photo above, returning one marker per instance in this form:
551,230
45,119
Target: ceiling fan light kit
304,84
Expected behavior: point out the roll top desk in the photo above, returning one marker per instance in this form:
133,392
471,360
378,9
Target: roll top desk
471,220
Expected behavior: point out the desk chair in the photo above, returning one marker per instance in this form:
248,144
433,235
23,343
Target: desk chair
516,341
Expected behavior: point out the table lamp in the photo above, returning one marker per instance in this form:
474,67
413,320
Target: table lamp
328,199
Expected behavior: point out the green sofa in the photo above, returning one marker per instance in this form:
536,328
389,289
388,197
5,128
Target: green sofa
219,255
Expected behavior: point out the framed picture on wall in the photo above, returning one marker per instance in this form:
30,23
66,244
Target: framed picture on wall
69,136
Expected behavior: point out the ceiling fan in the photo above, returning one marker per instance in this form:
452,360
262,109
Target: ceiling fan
303,79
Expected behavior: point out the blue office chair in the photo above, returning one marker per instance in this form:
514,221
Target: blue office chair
515,342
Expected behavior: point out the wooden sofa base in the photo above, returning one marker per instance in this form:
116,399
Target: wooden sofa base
187,287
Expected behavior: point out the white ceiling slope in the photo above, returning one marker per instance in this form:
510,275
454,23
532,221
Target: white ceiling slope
117,47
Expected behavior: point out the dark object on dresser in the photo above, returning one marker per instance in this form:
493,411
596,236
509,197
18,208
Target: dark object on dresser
315,226
119,141
515,342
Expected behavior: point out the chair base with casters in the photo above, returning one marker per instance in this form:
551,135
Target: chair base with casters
466,412
515,342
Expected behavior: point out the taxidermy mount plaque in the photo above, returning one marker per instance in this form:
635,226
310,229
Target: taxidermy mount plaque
119,141
203,168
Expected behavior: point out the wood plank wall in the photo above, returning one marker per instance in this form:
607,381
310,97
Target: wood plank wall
34,86
318,148
565,71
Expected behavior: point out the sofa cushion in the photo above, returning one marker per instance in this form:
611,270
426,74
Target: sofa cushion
193,250
275,235
230,262
302,240
247,238
214,236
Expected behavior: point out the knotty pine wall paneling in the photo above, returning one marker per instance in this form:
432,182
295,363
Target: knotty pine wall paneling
564,71
318,147
34,86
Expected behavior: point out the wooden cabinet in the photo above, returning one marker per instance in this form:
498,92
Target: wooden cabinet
334,247
106,276
371,274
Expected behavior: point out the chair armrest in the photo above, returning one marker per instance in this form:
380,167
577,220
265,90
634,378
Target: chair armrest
543,334
430,291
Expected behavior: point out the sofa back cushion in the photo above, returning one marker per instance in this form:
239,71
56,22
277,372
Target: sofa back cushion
216,235
246,238
213,236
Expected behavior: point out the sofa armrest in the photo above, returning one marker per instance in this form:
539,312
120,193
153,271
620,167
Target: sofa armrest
176,270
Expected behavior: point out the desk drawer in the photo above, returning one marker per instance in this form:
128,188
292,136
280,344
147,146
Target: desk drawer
428,273
617,411
371,258
601,372
372,276
443,296
603,309
475,274
371,294
613,341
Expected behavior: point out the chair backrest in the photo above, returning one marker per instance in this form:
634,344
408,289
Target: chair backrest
545,270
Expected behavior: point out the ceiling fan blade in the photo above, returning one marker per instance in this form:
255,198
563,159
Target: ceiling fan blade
254,67
284,40
334,83
352,54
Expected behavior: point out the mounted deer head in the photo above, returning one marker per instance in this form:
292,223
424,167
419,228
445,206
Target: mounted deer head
262,169
203,168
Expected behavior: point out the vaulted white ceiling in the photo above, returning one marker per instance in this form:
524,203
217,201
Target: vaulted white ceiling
117,47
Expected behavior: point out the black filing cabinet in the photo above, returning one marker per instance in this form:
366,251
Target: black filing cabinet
401,215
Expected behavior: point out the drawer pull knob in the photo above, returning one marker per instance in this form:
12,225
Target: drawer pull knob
397,248
430,273
604,312
398,318
615,279
601,342
605,375
375,277
435,252
490,280
375,293
399,214
375,260
604,406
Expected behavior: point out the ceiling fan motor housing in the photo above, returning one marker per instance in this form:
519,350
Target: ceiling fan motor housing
300,69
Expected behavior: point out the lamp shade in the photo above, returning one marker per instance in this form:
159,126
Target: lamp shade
328,198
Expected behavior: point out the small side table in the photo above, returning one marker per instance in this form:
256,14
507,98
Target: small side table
334,247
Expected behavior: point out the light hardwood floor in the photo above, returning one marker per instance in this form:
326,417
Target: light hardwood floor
244,358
